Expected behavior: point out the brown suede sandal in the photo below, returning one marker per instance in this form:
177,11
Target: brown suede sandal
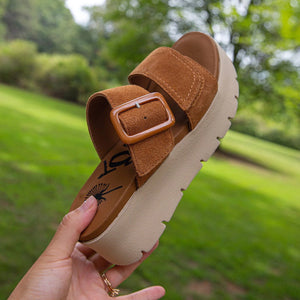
151,137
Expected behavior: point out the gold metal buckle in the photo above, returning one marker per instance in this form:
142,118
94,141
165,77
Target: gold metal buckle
132,139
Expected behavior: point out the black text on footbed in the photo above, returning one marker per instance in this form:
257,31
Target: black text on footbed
119,159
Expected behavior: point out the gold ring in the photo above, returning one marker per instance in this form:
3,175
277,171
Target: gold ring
111,292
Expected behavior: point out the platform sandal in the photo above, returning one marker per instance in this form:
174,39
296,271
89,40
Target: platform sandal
151,137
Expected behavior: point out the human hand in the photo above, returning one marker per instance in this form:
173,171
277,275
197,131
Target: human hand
70,270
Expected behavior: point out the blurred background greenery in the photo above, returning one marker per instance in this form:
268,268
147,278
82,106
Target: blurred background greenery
45,50
250,251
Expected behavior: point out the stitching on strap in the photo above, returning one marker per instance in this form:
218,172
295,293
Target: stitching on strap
159,79
194,75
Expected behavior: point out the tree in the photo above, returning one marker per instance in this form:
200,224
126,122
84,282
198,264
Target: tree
130,30
2,11
257,34
47,23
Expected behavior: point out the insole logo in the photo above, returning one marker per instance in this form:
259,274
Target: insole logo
100,191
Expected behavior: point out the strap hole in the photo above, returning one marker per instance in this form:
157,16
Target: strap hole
145,118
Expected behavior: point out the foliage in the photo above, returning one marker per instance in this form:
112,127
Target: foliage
47,23
17,61
236,229
2,11
253,124
65,76
261,36
130,30
58,30
19,20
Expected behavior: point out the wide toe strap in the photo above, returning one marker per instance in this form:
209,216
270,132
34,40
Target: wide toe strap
189,84
137,118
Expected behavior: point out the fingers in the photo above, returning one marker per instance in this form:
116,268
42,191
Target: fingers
86,251
151,293
68,232
118,274
101,264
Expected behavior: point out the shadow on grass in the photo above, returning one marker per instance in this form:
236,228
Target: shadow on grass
227,155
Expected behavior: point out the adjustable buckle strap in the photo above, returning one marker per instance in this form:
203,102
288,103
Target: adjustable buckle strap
188,83
147,153
137,103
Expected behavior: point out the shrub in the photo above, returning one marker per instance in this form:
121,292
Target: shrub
17,62
282,137
256,126
65,76
245,125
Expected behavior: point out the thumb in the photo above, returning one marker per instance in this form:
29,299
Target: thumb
68,232
150,293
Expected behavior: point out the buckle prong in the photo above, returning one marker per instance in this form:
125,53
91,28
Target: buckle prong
132,139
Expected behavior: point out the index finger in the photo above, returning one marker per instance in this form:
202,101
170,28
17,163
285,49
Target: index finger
118,274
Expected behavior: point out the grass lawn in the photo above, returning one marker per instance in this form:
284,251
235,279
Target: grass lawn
235,234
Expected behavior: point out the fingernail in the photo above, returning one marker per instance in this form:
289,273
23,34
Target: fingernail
88,203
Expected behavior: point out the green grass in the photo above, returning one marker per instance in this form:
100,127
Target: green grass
235,234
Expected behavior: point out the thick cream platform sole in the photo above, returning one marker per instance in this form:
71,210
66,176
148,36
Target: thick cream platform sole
140,223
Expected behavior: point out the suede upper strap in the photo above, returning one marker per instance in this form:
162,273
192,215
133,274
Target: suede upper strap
146,154
189,84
